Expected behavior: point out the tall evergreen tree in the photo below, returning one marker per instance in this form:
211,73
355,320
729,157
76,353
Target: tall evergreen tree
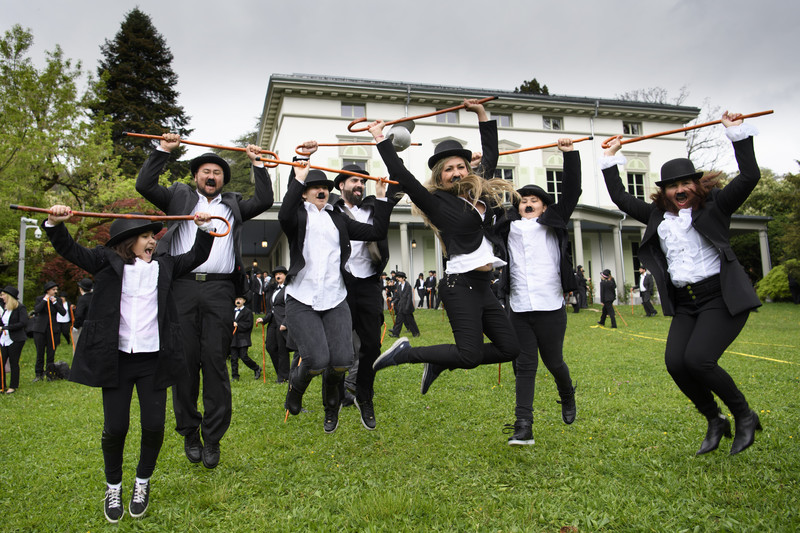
140,93
532,87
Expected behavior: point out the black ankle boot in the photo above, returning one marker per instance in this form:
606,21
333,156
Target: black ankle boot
299,378
717,427
745,432
568,409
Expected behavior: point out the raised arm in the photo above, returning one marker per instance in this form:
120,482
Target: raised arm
739,188
571,178
638,209
264,197
63,243
147,182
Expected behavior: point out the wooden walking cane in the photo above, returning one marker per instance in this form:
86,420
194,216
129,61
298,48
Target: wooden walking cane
384,332
129,216
206,145
425,115
299,149
52,338
275,162
605,144
620,315
551,145
71,322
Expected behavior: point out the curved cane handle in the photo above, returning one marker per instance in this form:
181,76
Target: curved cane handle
605,144
214,233
359,130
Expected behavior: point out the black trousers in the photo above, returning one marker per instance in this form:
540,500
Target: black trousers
407,320
701,330
647,304
237,353
204,309
539,333
365,301
134,370
12,354
45,343
473,310
608,310
275,343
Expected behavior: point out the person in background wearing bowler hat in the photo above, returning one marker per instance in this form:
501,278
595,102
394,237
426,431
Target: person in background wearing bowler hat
204,295
430,286
45,328
403,305
275,318
608,293
686,246
242,328
13,325
129,338
84,301
422,293
582,291
646,291
317,314
539,274
460,206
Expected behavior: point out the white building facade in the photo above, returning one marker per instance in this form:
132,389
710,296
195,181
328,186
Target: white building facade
298,108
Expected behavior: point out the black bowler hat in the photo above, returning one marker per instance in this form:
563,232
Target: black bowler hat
535,190
317,177
122,228
49,285
400,275
211,157
607,273
243,297
342,177
279,268
11,291
448,148
86,284
677,170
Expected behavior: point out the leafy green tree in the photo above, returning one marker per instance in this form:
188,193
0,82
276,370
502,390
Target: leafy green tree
532,86
51,151
139,92
241,173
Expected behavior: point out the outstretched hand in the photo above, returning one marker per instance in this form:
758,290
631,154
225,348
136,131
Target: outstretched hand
170,141
376,129
59,214
565,144
732,119
614,145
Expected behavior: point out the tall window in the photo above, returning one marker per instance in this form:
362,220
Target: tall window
632,128
503,120
555,180
359,162
353,110
505,173
553,123
451,117
636,185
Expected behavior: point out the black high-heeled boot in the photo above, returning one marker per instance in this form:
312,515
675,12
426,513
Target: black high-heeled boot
745,432
718,427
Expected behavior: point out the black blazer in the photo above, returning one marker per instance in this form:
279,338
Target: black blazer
459,224
608,290
712,221
96,360
293,218
556,217
402,301
84,301
181,199
41,320
383,244
17,324
244,327
276,311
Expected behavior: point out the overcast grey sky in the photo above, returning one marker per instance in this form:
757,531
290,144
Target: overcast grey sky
739,54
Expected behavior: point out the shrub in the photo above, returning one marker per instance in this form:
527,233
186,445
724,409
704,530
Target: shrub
775,285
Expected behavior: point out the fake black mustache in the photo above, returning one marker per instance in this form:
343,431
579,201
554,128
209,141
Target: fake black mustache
320,195
529,209
212,182
681,196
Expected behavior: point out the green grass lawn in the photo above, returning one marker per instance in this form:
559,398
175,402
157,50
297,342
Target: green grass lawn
440,462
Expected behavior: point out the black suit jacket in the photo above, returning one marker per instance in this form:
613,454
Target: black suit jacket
276,311
460,225
402,301
84,301
244,327
608,290
181,199
712,221
96,361
556,217
17,324
41,319
293,218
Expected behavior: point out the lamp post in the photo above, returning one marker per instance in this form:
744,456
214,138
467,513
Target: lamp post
24,225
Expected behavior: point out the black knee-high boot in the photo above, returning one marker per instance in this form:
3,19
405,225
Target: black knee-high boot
299,378
113,446
149,449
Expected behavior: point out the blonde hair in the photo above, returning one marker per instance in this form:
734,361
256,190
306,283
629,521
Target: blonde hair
11,302
471,187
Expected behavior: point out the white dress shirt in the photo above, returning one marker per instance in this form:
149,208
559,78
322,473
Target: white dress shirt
534,260
221,260
138,308
5,338
319,284
360,262
690,256
484,255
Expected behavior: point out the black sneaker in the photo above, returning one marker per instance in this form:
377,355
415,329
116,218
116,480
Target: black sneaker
367,411
193,446
39,377
568,408
258,372
331,419
112,507
140,499
522,432
388,358
429,374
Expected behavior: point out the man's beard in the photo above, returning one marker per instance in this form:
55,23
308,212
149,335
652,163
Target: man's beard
351,198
